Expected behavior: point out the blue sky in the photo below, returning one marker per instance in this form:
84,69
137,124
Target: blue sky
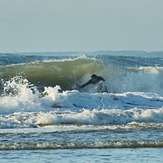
80,25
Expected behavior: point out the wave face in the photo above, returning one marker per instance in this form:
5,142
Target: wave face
55,72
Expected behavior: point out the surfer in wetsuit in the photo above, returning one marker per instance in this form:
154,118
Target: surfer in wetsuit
94,80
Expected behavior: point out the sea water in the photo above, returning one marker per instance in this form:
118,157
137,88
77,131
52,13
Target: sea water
45,117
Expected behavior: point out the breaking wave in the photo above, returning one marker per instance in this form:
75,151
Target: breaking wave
70,73
78,145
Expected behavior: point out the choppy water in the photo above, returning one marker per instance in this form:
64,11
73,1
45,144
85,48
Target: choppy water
81,125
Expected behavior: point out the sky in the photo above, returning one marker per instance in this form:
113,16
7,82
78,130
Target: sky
81,25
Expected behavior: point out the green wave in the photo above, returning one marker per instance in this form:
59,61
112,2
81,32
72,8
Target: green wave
65,73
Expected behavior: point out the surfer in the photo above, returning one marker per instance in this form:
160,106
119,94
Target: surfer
96,80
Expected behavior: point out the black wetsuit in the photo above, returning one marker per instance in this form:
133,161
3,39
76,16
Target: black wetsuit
99,78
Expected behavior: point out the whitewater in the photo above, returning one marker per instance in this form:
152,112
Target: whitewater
43,109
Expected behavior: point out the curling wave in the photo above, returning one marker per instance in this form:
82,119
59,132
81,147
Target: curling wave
65,73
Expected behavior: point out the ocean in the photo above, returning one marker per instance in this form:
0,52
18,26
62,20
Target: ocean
45,117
